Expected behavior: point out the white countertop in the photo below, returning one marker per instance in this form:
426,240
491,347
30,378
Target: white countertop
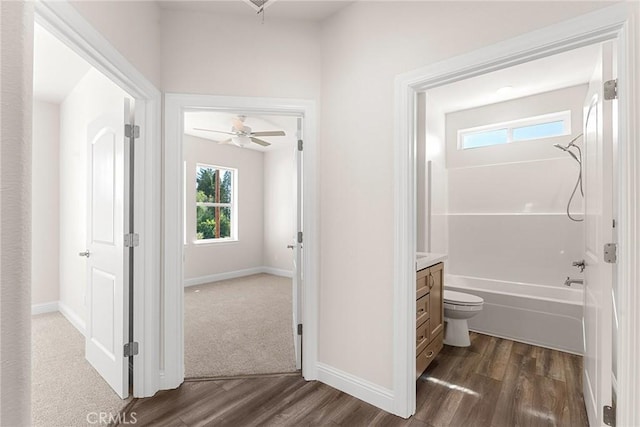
427,259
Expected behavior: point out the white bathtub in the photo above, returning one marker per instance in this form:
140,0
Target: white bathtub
547,316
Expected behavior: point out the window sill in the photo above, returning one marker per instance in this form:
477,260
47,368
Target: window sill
208,242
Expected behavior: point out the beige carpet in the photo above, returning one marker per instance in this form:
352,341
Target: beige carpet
239,327
64,386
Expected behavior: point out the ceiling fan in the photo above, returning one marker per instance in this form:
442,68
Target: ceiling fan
242,135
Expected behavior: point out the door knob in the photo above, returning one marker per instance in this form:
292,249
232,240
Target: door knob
290,246
85,253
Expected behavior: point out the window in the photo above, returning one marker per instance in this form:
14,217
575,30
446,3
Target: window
215,203
546,126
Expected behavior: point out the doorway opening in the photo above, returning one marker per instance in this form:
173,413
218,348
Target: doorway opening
176,105
611,24
80,268
242,215
493,195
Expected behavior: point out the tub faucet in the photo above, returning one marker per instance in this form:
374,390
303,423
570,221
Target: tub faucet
570,281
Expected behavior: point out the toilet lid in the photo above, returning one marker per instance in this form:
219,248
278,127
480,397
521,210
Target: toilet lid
460,298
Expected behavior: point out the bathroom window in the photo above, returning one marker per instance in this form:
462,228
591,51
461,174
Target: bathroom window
216,218
527,129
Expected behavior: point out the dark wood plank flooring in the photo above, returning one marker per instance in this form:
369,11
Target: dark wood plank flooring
494,382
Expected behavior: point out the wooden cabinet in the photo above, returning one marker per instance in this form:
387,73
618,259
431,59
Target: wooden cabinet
429,315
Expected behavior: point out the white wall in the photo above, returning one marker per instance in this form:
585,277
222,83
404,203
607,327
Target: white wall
364,47
132,27
279,208
206,259
45,203
265,208
507,203
523,151
215,54
93,95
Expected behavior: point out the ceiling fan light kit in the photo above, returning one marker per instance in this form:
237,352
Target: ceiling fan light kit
241,140
242,136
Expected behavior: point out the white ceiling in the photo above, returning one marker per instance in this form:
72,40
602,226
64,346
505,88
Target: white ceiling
555,72
223,121
56,68
307,10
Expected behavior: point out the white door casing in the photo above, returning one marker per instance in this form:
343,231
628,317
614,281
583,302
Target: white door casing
598,275
107,262
298,276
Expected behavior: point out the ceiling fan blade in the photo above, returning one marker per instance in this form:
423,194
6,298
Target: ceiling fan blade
217,131
269,133
260,142
226,141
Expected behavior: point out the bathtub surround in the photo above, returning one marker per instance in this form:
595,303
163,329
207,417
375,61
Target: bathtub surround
509,239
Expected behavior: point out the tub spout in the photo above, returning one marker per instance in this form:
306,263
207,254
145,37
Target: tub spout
571,281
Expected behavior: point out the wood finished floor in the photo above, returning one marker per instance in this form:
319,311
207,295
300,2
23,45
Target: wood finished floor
494,382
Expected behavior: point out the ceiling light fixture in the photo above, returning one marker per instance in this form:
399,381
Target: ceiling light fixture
241,140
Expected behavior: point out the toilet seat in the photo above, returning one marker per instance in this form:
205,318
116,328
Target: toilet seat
453,298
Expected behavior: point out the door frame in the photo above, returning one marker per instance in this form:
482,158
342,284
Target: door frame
618,22
173,288
70,27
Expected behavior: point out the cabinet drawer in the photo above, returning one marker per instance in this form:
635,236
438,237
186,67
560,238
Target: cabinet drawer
422,336
422,310
425,357
422,283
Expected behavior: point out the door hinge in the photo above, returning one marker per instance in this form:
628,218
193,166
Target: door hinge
299,236
130,349
131,240
299,145
610,89
610,253
299,328
609,415
132,130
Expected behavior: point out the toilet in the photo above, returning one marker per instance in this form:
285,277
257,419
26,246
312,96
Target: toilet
458,307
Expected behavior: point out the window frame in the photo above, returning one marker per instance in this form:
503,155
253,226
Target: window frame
233,206
510,126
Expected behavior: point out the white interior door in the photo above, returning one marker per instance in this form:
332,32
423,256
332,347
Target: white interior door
598,275
107,262
297,256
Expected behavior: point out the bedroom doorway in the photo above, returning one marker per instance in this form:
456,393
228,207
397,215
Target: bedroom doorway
241,223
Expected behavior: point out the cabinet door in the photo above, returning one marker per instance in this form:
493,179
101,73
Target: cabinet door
435,281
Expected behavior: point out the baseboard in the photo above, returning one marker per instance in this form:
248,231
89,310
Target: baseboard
72,317
357,387
194,281
47,307
278,272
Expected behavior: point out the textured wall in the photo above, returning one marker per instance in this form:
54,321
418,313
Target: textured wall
16,76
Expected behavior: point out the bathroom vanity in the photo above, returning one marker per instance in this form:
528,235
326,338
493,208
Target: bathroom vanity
429,308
